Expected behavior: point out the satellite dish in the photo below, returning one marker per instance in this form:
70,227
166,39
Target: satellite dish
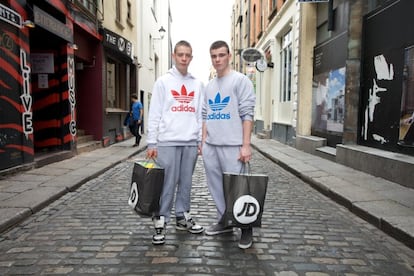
251,55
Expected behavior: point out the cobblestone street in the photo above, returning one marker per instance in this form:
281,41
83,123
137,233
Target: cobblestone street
93,231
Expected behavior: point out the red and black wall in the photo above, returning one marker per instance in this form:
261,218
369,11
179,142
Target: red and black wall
37,96
16,121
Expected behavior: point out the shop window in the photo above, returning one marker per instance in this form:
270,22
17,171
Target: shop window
90,5
286,66
111,85
407,100
117,85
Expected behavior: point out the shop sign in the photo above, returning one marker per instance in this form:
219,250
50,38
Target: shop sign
42,63
10,16
117,43
313,1
48,22
251,55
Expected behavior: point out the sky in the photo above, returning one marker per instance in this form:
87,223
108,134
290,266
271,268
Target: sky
201,22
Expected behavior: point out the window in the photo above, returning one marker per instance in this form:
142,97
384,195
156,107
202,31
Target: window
254,20
129,16
111,89
118,82
274,4
407,100
286,67
118,10
91,6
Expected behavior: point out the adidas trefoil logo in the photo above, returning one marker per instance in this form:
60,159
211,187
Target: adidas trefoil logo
184,99
216,106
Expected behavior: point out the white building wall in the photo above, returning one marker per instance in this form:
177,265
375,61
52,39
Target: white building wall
153,52
270,109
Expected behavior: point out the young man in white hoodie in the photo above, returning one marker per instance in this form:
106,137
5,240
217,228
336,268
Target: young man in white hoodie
174,138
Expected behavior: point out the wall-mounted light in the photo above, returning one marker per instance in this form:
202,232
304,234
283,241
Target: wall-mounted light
161,31
73,46
29,24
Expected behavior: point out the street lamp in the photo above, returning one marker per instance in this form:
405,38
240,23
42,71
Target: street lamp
161,31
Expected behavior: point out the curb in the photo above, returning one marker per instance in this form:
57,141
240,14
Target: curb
380,223
22,214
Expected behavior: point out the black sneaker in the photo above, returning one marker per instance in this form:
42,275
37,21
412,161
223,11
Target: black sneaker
159,235
186,223
217,229
246,239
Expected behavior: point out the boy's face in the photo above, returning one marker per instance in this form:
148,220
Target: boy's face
220,58
182,56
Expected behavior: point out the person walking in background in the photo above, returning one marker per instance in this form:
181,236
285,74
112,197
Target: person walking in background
134,119
174,137
228,110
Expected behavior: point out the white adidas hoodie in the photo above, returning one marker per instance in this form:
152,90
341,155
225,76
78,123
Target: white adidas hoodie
174,117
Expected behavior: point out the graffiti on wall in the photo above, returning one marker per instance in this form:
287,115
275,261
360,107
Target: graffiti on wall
384,72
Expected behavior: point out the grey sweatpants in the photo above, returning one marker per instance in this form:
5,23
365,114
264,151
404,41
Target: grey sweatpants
178,163
219,159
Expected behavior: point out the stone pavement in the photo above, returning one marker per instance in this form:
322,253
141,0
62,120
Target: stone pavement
387,205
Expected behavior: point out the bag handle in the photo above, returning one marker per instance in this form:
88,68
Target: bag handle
152,161
245,168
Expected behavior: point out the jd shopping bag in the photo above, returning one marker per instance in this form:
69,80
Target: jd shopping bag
146,187
245,195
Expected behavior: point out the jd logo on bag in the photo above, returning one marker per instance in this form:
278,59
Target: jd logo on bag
133,195
246,209
244,195
146,187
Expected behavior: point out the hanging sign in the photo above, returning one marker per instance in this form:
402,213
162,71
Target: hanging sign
10,16
251,55
117,43
51,24
261,65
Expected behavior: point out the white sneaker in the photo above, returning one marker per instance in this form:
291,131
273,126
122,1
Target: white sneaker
186,223
159,235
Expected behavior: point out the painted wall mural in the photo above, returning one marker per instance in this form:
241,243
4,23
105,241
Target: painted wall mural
384,71
16,122
387,80
37,86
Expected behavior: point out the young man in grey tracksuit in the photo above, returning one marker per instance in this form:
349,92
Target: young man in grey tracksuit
228,110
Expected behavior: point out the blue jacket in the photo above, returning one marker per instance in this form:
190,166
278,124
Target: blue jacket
136,110
136,114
